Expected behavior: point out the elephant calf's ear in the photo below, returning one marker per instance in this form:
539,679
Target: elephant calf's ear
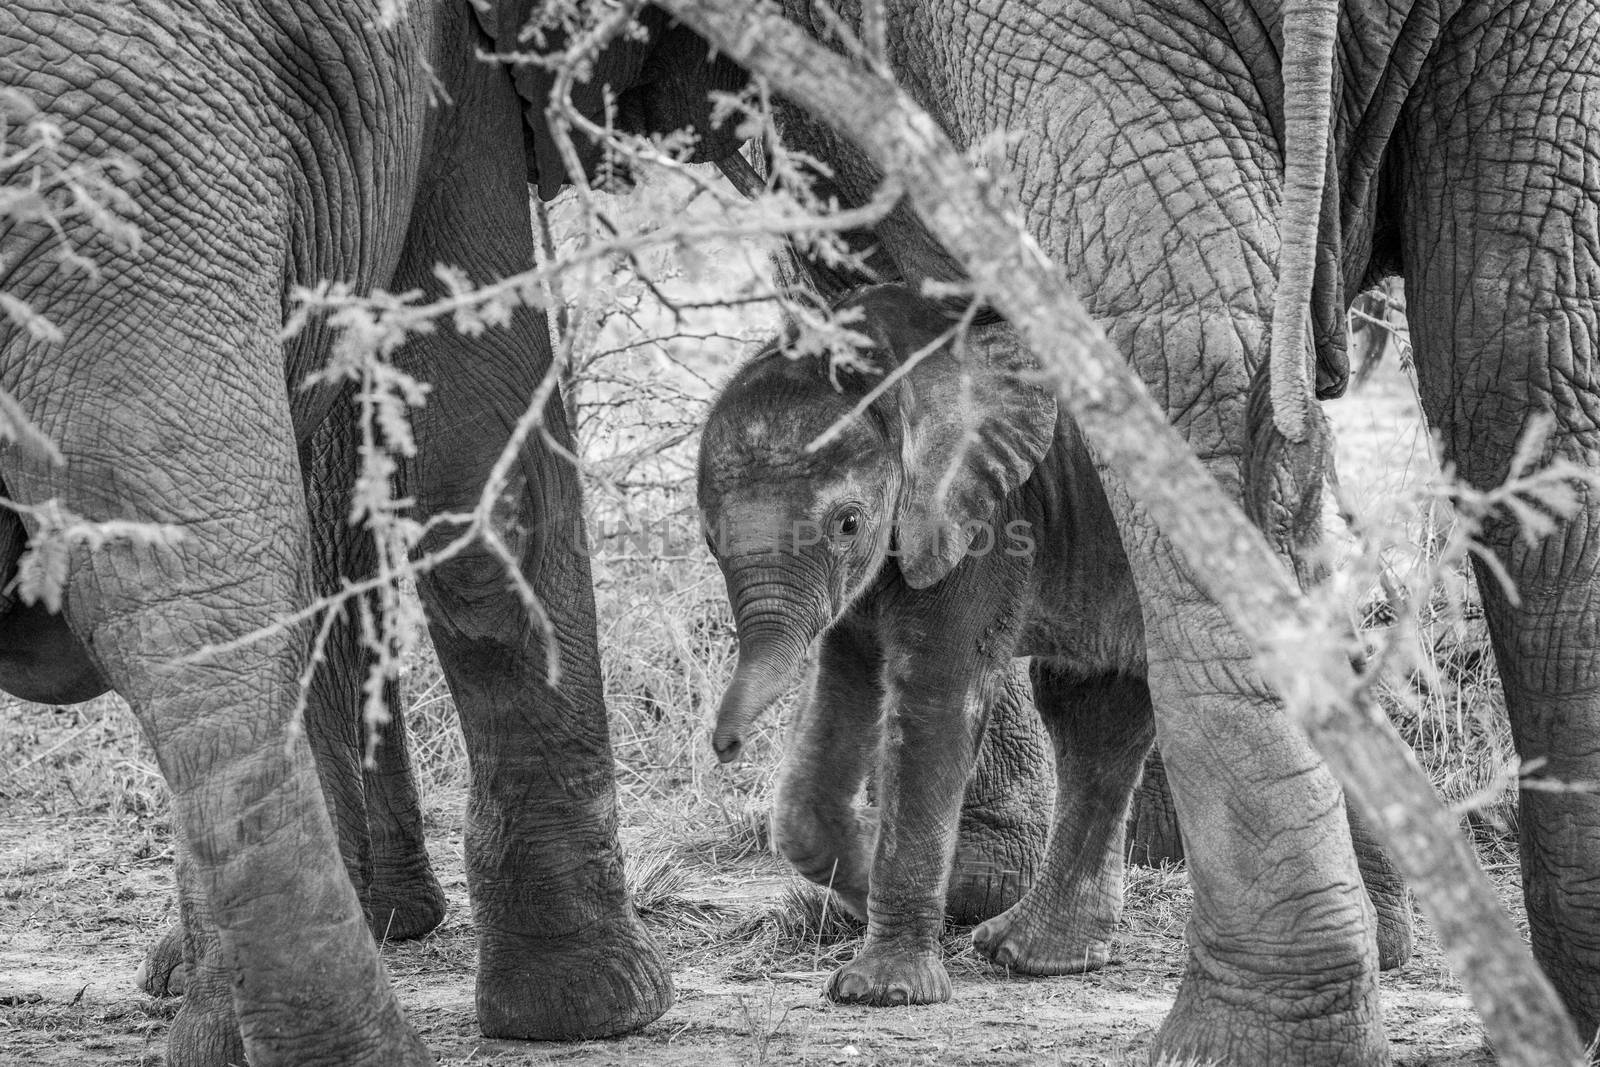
975,422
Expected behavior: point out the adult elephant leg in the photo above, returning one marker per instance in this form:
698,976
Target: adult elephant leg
405,900
1501,281
1153,838
1005,819
1386,888
333,712
377,823
376,810
1153,835
562,954
286,972
829,754
1101,729
272,893
1282,960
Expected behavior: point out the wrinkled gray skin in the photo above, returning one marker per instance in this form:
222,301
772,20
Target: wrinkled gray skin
1005,811
283,142
1146,153
822,829
376,810
1152,836
810,543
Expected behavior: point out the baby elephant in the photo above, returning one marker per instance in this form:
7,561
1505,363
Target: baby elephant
871,505
925,574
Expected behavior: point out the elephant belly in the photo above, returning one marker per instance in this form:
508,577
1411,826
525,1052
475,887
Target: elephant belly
1083,613
41,660
1088,640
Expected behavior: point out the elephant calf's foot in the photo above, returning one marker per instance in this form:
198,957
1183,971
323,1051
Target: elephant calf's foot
590,985
163,973
842,868
847,887
1028,941
885,978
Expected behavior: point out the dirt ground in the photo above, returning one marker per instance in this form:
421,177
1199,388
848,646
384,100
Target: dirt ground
81,898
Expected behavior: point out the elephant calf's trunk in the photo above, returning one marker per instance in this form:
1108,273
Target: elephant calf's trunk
777,615
756,685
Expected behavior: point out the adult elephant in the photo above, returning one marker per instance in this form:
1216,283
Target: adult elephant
282,143
1147,150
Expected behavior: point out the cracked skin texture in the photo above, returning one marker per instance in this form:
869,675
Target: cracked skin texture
1147,157
281,142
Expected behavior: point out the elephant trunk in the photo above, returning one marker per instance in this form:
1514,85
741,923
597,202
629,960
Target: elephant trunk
776,623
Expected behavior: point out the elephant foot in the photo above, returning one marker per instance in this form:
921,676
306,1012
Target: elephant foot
404,899
211,1038
1327,1024
886,978
830,848
1025,941
847,886
576,988
405,911
205,1033
163,972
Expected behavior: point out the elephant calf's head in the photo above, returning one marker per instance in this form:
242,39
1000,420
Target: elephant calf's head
816,472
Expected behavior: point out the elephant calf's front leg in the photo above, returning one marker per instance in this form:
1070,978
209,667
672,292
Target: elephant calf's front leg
818,826
931,743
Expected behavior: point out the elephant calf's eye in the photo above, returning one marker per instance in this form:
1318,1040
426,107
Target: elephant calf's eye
846,524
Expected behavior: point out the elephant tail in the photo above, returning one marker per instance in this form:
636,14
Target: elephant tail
1310,29
1287,445
1284,479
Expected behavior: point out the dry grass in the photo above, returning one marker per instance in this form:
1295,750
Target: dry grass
1450,708
79,760
1453,717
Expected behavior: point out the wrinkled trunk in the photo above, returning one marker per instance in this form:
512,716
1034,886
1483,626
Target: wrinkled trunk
777,619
